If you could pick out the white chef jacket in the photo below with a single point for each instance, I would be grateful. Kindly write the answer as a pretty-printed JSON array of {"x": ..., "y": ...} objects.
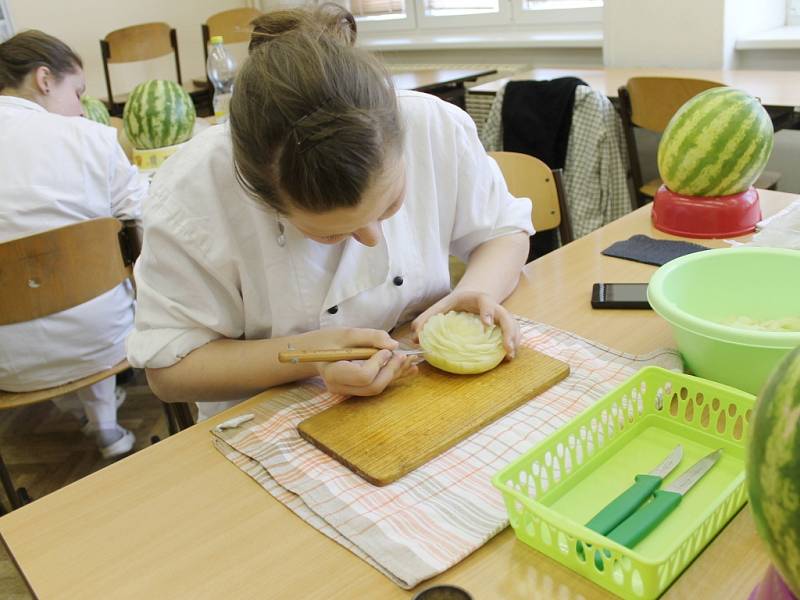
[
  {"x": 55, "y": 171},
  {"x": 214, "y": 263}
]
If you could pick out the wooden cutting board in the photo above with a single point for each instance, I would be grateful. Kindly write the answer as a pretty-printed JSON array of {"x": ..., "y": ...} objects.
[{"x": 381, "y": 438}]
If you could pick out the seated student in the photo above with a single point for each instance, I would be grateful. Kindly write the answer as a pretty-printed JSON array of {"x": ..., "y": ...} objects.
[
  {"x": 321, "y": 216},
  {"x": 57, "y": 168}
]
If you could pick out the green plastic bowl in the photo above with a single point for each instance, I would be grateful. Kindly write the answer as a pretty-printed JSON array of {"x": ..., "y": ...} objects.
[{"x": 697, "y": 292}]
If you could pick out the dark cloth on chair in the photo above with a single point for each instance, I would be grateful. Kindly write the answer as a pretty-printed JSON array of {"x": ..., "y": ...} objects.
[{"x": 537, "y": 116}]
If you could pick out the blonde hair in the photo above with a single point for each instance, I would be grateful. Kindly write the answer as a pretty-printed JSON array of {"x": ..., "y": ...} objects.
[{"x": 313, "y": 120}]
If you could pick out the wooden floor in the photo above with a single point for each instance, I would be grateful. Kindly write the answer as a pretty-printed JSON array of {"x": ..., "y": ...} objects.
[{"x": 45, "y": 450}]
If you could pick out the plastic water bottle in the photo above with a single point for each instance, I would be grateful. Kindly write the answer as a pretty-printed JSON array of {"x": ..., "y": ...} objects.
[{"x": 221, "y": 72}]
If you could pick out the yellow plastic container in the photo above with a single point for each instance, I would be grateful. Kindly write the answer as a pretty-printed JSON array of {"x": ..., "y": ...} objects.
[
  {"x": 151, "y": 159},
  {"x": 557, "y": 486}
]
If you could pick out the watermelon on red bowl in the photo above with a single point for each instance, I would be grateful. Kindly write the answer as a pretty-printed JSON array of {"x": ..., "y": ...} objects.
[
  {"x": 716, "y": 144},
  {"x": 706, "y": 216}
]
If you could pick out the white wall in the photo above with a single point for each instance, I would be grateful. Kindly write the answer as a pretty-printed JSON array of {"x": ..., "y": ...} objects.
[
  {"x": 746, "y": 16},
  {"x": 663, "y": 33},
  {"x": 82, "y": 23}
]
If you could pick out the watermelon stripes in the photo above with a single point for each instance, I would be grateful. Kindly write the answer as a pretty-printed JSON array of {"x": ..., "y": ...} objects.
[
  {"x": 773, "y": 468},
  {"x": 94, "y": 110},
  {"x": 716, "y": 144},
  {"x": 158, "y": 113}
]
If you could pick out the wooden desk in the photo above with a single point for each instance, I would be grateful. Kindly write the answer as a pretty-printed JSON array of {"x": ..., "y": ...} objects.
[
  {"x": 177, "y": 520},
  {"x": 779, "y": 89},
  {"x": 448, "y": 84},
  {"x": 774, "y": 88}
]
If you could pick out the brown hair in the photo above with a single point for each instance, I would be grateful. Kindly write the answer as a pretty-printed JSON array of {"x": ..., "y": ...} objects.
[
  {"x": 312, "y": 121},
  {"x": 29, "y": 50},
  {"x": 335, "y": 19}
]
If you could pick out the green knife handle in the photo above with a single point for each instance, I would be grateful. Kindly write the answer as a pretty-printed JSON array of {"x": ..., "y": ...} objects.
[
  {"x": 636, "y": 527},
  {"x": 625, "y": 504}
]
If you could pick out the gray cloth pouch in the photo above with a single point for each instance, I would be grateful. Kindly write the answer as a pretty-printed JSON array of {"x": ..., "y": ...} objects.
[{"x": 650, "y": 251}]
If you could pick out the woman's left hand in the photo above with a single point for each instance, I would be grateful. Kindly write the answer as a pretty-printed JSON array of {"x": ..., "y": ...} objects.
[{"x": 481, "y": 304}]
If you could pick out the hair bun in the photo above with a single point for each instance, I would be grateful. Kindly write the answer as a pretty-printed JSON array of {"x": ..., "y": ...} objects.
[{"x": 328, "y": 17}]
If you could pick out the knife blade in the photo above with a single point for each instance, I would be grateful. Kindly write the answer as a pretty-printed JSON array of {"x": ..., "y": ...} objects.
[
  {"x": 628, "y": 501},
  {"x": 637, "y": 526},
  {"x": 336, "y": 354}
]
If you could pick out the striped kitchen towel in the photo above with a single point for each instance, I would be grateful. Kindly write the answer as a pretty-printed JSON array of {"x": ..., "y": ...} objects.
[{"x": 434, "y": 517}]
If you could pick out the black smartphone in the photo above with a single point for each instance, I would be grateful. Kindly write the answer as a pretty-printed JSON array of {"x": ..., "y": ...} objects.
[{"x": 619, "y": 295}]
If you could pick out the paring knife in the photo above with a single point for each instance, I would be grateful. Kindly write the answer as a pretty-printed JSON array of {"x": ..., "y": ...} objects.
[
  {"x": 636, "y": 527},
  {"x": 336, "y": 354},
  {"x": 628, "y": 501}
]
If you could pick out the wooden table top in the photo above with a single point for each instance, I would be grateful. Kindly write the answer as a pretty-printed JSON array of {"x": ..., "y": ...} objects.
[
  {"x": 425, "y": 79},
  {"x": 774, "y": 88},
  {"x": 178, "y": 520}
]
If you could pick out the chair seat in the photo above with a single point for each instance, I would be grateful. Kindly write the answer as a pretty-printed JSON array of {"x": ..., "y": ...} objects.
[
  {"x": 768, "y": 180},
  {"x": 15, "y": 399}
]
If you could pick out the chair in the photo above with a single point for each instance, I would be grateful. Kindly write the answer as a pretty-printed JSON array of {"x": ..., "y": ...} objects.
[
  {"x": 53, "y": 271},
  {"x": 233, "y": 25},
  {"x": 134, "y": 44},
  {"x": 528, "y": 177},
  {"x": 649, "y": 103}
]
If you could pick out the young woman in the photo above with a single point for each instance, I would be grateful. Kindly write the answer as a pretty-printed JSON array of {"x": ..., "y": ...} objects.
[
  {"x": 322, "y": 216},
  {"x": 56, "y": 169}
]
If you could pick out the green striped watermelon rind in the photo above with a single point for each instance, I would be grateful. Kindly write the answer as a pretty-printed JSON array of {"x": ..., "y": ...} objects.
[
  {"x": 158, "y": 113},
  {"x": 716, "y": 144},
  {"x": 95, "y": 110},
  {"x": 773, "y": 468}
]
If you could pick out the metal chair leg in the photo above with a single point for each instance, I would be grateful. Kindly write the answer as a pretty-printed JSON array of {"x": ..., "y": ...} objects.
[
  {"x": 183, "y": 415},
  {"x": 172, "y": 426},
  {"x": 8, "y": 486}
]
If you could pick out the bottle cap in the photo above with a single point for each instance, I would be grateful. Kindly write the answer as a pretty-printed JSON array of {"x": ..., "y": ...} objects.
[{"x": 216, "y": 39}]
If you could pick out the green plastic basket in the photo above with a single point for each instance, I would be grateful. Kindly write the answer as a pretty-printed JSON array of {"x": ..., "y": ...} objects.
[{"x": 557, "y": 486}]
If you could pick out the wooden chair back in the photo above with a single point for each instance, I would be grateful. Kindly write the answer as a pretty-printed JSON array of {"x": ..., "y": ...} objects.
[
  {"x": 134, "y": 44},
  {"x": 654, "y": 100},
  {"x": 529, "y": 177},
  {"x": 233, "y": 25},
  {"x": 61, "y": 268}
]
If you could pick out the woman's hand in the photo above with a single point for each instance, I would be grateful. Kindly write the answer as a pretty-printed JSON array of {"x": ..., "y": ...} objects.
[
  {"x": 481, "y": 304},
  {"x": 360, "y": 377}
]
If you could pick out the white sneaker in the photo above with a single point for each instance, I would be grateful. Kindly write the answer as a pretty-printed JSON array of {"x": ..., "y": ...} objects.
[
  {"x": 122, "y": 446},
  {"x": 87, "y": 428}
]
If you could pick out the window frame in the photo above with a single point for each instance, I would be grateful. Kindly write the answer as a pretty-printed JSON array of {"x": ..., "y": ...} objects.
[
  {"x": 511, "y": 12},
  {"x": 6, "y": 24},
  {"x": 792, "y": 16},
  {"x": 558, "y": 16}
]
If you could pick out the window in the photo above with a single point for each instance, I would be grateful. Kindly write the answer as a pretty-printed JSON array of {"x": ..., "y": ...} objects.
[
  {"x": 402, "y": 15},
  {"x": 451, "y": 8},
  {"x": 793, "y": 12},
  {"x": 6, "y": 29}
]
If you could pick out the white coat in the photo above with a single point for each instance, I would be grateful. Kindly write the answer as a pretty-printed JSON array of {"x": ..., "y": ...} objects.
[
  {"x": 55, "y": 171},
  {"x": 214, "y": 263}
]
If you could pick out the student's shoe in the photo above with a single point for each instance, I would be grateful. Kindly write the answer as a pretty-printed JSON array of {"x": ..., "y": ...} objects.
[
  {"x": 87, "y": 428},
  {"x": 122, "y": 445}
]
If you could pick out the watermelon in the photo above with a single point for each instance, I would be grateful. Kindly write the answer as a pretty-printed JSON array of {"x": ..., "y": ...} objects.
[
  {"x": 95, "y": 110},
  {"x": 717, "y": 144},
  {"x": 158, "y": 113},
  {"x": 773, "y": 468}
]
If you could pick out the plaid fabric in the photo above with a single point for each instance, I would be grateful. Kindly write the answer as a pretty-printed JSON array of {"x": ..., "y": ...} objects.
[
  {"x": 437, "y": 515},
  {"x": 596, "y": 168}
]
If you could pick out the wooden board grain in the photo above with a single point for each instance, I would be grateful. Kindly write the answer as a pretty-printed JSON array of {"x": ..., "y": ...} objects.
[{"x": 383, "y": 437}]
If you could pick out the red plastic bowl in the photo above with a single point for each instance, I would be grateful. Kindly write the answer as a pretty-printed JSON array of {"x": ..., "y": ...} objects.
[{"x": 706, "y": 216}]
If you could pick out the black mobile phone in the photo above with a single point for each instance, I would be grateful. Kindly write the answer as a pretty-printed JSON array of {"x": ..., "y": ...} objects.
[{"x": 619, "y": 295}]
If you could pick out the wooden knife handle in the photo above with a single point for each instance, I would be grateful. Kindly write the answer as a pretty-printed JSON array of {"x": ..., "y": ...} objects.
[{"x": 332, "y": 355}]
